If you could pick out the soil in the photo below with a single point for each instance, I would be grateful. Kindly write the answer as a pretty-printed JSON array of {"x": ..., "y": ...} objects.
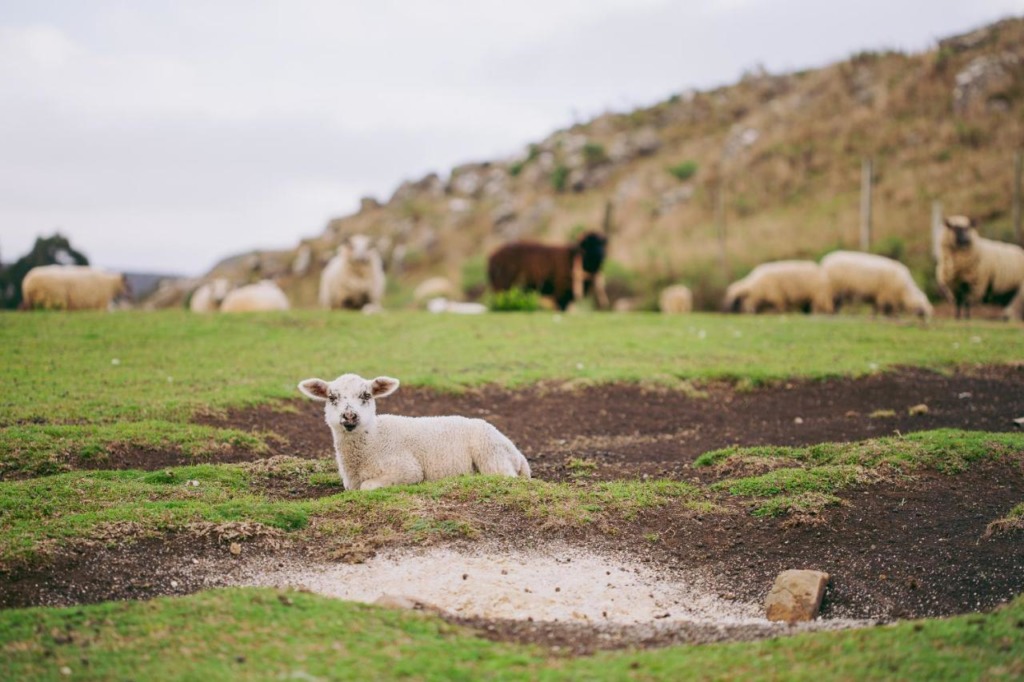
[{"x": 906, "y": 549}]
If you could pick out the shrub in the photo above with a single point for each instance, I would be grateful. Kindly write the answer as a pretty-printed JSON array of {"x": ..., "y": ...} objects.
[
  {"x": 559, "y": 178},
  {"x": 514, "y": 300},
  {"x": 685, "y": 170},
  {"x": 594, "y": 154}
]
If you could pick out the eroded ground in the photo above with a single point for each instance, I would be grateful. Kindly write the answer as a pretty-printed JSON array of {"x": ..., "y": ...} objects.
[{"x": 912, "y": 547}]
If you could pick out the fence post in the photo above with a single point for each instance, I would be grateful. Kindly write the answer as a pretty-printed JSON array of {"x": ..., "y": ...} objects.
[
  {"x": 936, "y": 228},
  {"x": 1016, "y": 197},
  {"x": 865, "y": 204}
]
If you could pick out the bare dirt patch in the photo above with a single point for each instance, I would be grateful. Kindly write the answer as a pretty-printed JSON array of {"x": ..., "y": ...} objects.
[{"x": 896, "y": 549}]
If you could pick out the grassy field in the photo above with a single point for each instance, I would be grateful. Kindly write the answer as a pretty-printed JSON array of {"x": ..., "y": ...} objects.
[{"x": 87, "y": 383}]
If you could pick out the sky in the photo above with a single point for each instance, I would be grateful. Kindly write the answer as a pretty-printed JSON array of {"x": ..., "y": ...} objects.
[{"x": 162, "y": 136}]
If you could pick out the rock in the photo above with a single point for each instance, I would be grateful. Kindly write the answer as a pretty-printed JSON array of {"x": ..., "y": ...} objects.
[
  {"x": 235, "y": 548},
  {"x": 303, "y": 259},
  {"x": 918, "y": 410},
  {"x": 401, "y": 601},
  {"x": 368, "y": 204},
  {"x": 984, "y": 82},
  {"x": 796, "y": 596}
]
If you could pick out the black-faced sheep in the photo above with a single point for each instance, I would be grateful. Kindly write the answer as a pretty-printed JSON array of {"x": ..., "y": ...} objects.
[
  {"x": 257, "y": 297},
  {"x": 71, "y": 287},
  {"x": 566, "y": 273},
  {"x": 374, "y": 450},
  {"x": 354, "y": 278},
  {"x": 781, "y": 286},
  {"x": 885, "y": 283},
  {"x": 973, "y": 269}
]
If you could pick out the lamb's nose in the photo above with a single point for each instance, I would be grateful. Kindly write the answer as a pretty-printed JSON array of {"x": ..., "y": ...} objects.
[{"x": 349, "y": 417}]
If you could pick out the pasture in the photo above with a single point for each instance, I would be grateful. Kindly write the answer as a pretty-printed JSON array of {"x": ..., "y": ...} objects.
[{"x": 152, "y": 463}]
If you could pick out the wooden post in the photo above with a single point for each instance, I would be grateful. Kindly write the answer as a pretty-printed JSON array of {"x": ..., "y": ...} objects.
[
  {"x": 720, "y": 226},
  {"x": 865, "y": 204},
  {"x": 936, "y": 228},
  {"x": 1016, "y": 197},
  {"x": 606, "y": 225}
]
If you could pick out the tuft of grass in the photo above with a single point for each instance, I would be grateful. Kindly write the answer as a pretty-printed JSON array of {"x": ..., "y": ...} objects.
[
  {"x": 684, "y": 170},
  {"x": 514, "y": 300}
]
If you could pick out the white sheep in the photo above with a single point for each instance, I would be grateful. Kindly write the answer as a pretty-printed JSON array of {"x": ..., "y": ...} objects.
[
  {"x": 374, "y": 450},
  {"x": 972, "y": 269},
  {"x": 675, "y": 299},
  {"x": 781, "y": 285},
  {"x": 354, "y": 278},
  {"x": 885, "y": 283},
  {"x": 433, "y": 287},
  {"x": 209, "y": 296},
  {"x": 261, "y": 296},
  {"x": 71, "y": 287}
]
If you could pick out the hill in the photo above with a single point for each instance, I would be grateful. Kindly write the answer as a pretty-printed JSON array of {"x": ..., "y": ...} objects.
[{"x": 773, "y": 162}]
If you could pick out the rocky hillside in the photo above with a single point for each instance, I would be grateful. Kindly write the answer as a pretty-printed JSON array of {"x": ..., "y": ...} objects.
[{"x": 776, "y": 159}]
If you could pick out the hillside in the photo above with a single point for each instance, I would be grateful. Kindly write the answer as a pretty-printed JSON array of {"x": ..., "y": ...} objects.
[{"x": 775, "y": 158}]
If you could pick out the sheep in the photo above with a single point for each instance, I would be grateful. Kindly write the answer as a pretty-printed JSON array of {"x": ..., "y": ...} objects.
[
  {"x": 972, "y": 269},
  {"x": 209, "y": 296},
  {"x": 433, "y": 287},
  {"x": 354, "y": 278},
  {"x": 261, "y": 296},
  {"x": 885, "y": 283},
  {"x": 781, "y": 285},
  {"x": 563, "y": 272},
  {"x": 675, "y": 299},
  {"x": 373, "y": 451},
  {"x": 71, "y": 287}
]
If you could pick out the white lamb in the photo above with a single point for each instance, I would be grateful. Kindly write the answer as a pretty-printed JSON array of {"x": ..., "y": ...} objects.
[
  {"x": 257, "y": 297},
  {"x": 71, "y": 287},
  {"x": 675, "y": 299},
  {"x": 354, "y": 278},
  {"x": 972, "y": 268},
  {"x": 781, "y": 285},
  {"x": 208, "y": 297},
  {"x": 885, "y": 283},
  {"x": 374, "y": 451}
]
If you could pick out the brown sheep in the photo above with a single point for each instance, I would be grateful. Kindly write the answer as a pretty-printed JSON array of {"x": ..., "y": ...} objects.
[{"x": 565, "y": 273}]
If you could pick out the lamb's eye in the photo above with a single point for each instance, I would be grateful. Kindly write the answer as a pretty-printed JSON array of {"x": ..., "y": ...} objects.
[
  {"x": 364, "y": 396},
  {"x": 333, "y": 399}
]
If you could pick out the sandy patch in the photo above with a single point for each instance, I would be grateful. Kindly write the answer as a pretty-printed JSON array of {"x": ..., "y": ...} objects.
[{"x": 557, "y": 583}]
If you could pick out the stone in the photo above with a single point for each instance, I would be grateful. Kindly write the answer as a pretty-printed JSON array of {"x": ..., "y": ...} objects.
[
  {"x": 796, "y": 596},
  {"x": 401, "y": 601},
  {"x": 917, "y": 410}
]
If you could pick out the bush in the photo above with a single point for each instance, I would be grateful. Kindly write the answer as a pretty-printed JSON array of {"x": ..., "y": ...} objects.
[
  {"x": 685, "y": 170},
  {"x": 594, "y": 154},
  {"x": 514, "y": 300},
  {"x": 559, "y": 177}
]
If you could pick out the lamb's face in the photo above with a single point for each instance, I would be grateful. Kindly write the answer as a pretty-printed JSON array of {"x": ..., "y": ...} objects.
[
  {"x": 359, "y": 248},
  {"x": 349, "y": 399}
]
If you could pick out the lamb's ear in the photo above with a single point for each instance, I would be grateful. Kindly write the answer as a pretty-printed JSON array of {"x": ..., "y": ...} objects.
[
  {"x": 382, "y": 386},
  {"x": 314, "y": 388}
]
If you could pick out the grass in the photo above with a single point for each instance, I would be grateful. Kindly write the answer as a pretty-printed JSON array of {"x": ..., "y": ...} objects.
[
  {"x": 264, "y": 634},
  {"x": 61, "y": 369},
  {"x": 808, "y": 478}
]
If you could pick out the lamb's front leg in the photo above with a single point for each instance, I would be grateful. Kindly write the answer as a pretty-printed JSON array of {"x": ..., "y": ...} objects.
[{"x": 383, "y": 481}]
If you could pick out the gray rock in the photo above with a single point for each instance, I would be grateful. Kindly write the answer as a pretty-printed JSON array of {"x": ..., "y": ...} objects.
[{"x": 796, "y": 596}]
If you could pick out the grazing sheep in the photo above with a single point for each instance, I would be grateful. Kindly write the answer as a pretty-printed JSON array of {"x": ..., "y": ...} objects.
[
  {"x": 883, "y": 282},
  {"x": 781, "y": 285},
  {"x": 565, "y": 273},
  {"x": 374, "y": 451},
  {"x": 261, "y": 296},
  {"x": 972, "y": 269},
  {"x": 209, "y": 296},
  {"x": 354, "y": 278},
  {"x": 433, "y": 287},
  {"x": 675, "y": 299},
  {"x": 71, "y": 287}
]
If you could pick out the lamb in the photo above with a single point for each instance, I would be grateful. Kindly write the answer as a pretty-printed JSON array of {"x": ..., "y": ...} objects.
[
  {"x": 71, "y": 287},
  {"x": 885, "y": 283},
  {"x": 675, "y": 299},
  {"x": 354, "y": 278},
  {"x": 565, "y": 273},
  {"x": 781, "y": 285},
  {"x": 209, "y": 296},
  {"x": 261, "y": 296},
  {"x": 375, "y": 451},
  {"x": 972, "y": 269}
]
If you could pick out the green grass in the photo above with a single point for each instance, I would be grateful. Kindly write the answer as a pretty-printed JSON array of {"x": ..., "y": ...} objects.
[
  {"x": 263, "y": 634},
  {"x": 809, "y": 477},
  {"x": 60, "y": 368},
  {"x": 39, "y": 514}
]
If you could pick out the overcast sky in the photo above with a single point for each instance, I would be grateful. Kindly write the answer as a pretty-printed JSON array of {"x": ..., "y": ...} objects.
[{"x": 161, "y": 136}]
